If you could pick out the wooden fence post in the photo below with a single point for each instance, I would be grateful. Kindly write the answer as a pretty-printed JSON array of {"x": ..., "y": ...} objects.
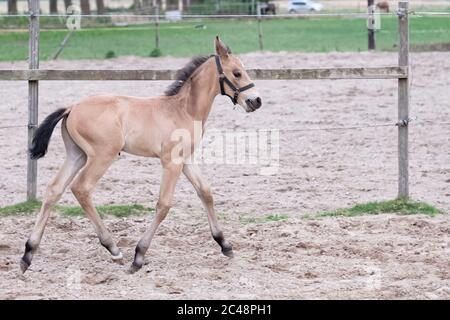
[
  {"x": 403, "y": 101},
  {"x": 33, "y": 94},
  {"x": 370, "y": 25},
  {"x": 157, "y": 27}
]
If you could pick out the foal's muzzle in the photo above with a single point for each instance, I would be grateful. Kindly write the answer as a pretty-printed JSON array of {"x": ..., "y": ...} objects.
[{"x": 253, "y": 104}]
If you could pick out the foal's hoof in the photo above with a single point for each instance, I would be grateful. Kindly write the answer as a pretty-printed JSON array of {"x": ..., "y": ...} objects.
[
  {"x": 228, "y": 252},
  {"x": 134, "y": 268},
  {"x": 118, "y": 258},
  {"x": 24, "y": 265}
]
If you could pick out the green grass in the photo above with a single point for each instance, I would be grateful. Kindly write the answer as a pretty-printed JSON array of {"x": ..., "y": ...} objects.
[
  {"x": 124, "y": 210},
  {"x": 183, "y": 39},
  {"x": 26, "y": 207},
  {"x": 156, "y": 53},
  {"x": 399, "y": 206},
  {"x": 110, "y": 54},
  {"x": 267, "y": 218},
  {"x": 29, "y": 207}
]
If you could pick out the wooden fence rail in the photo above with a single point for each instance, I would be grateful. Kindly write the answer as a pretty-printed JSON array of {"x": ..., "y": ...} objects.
[{"x": 257, "y": 74}]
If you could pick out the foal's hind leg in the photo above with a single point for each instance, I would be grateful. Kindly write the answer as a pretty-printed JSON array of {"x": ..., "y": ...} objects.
[
  {"x": 82, "y": 188},
  {"x": 75, "y": 160},
  {"x": 192, "y": 172}
]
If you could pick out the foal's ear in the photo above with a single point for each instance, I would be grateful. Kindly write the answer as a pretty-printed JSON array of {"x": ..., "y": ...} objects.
[{"x": 221, "y": 48}]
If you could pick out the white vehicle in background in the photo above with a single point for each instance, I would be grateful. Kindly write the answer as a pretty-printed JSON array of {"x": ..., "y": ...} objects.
[{"x": 302, "y": 6}]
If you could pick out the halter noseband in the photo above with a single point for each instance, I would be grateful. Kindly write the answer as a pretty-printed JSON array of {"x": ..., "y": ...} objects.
[{"x": 224, "y": 80}]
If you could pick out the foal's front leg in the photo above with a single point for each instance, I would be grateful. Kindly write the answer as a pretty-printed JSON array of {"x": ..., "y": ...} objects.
[
  {"x": 171, "y": 173},
  {"x": 192, "y": 172}
]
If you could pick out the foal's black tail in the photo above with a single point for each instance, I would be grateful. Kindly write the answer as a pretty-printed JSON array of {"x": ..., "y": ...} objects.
[{"x": 43, "y": 133}]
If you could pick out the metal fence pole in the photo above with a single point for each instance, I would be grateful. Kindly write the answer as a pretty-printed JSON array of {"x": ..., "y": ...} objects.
[
  {"x": 260, "y": 35},
  {"x": 33, "y": 95},
  {"x": 63, "y": 44},
  {"x": 403, "y": 102}
]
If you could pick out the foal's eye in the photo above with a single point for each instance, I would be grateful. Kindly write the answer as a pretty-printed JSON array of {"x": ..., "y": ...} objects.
[{"x": 237, "y": 74}]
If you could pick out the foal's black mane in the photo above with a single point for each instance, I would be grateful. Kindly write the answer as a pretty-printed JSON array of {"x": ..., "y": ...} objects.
[{"x": 186, "y": 72}]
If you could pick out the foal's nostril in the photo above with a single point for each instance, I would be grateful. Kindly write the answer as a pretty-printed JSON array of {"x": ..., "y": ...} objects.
[{"x": 257, "y": 102}]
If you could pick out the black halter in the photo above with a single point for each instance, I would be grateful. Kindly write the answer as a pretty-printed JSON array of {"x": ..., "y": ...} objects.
[{"x": 223, "y": 79}]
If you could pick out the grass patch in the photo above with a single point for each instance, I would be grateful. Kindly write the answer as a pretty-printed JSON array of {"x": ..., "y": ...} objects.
[
  {"x": 266, "y": 218},
  {"x": 110, "y": 54},
  {"x": 156, "y": 53},
  {"x": 26, "y": 207},
  {"x": 182, "y": 39},
  {"x": 122, "y": 210},
  {"x": 276, "y": 217},
  {"x": 399, "y": 206},
  {"x": 117, "y": 210}
]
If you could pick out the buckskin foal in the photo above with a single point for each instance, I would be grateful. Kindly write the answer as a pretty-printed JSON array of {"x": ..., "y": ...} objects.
[{"x": 97, "y": 128}]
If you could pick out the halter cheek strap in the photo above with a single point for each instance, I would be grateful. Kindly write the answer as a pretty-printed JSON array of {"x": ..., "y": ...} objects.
[{"x": 224, "y": 80}]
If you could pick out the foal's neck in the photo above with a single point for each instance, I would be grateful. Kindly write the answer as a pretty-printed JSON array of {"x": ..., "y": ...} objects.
[{"x": 201, "y": 91}]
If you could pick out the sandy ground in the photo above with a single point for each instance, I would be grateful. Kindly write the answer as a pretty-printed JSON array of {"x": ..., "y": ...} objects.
[
  {"x": 379, "y": 257},
  {"x": 366, "y": 257}
]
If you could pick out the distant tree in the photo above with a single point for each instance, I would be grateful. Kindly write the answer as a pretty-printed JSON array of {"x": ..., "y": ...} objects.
[
  {"x": 12, "y": 6},
  {"x": 136, "y": 5},
  {"x": 53, "y": 6},
  {"x": 85, "y": 7},
  {"x": 100, "y": 6}
]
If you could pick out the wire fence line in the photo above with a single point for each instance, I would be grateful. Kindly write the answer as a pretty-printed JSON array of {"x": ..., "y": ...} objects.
[
  {"x": 345, "y": 128},
  {"x": 235, "y": 16},
  {"x": 429, "y": 13},
  {"x": 358, "y": 127},
  {"x": 187, "y": 16},
  {"x": 14, "y": 126}
]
